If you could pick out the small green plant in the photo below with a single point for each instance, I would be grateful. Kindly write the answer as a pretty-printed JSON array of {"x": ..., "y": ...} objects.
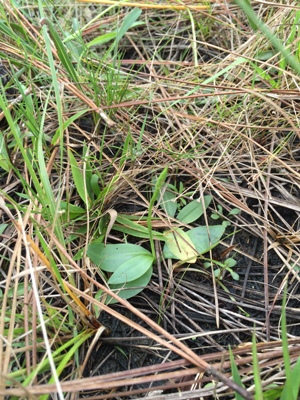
[
  {"x": 128, "y": 267},
  {"x": 290, "y": 390}
]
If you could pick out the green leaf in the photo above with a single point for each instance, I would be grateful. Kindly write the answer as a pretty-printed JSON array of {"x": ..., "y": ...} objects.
[
  {"x": 205, "y": 238},
  {"x": 131, "y": 288},
  {"x": 180, "y": 246},
  {"x": 234, "y": 211},
  {"x": 62, "y": 51},
  {"x": 71, "y": 210},
  {"x": 134, "y": 229},
  {"x": 295, "y": 378},
  {"x": 2, "y": 228},
  {"x": 128, "y": 22},
  {"x": 257, "y": 23},
  {"x": 193, "y": 210},
  {"x": 95, "y": 185},
  {"x": 4, "y": 157},
  {"x": 78, "y": 177},
  {"x": 230, "y": 262},
  {"x": 258, "y": 395},
  {"x": 110, "y": 257},
  {"x": 98, "y": 41},
  {"x": 234, "y": 275},
  {"x": 131, "y": 269},
  {"x": 169, "y": 204},
  {"x": 66, "y": 124},
  {"x": 235, "y": 375}
]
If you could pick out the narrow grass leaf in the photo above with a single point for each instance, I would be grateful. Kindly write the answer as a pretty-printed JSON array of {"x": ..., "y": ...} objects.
[
  {"x": 253, "y": 19},
  {"x": 256, "y": 371},
  {"x": 235, "y": 375},
  {"x": 126, "y": 225},
  {"x": 62, "y": 51},
  {"x": 287, "y": 393},
  {"x": 128, "y": 22},
  {"x": 98, "y": 41},
  {"x": 2, "y": 228},
  {"x": 296, "y": 380},
  {"x": 66, "y": 124},
  {"x": 158, "y": 186}
]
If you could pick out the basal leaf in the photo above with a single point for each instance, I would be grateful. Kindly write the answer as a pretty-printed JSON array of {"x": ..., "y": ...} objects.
[
  {"x": 131, "y": 269},
  {"x": 204, "y": 238},
  {"x": 78, "y": 177},
  {"x": 193, "y": 210},
  {"x": 131, "y": 288},
  {"x": 110, "y": 257},
  {"x": 180, "y": 246},
  {"x": 169, "y": 203},
  {"x": 4, "y": 156}
]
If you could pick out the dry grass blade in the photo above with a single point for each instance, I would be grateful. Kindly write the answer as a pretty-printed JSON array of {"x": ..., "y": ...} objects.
[{"x": 151, "y": 6}]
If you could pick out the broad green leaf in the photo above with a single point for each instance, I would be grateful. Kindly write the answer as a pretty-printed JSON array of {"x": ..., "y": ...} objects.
[
  {"x": 180, "y": 245},
  {"x": 131, "y": 269},
  {"x": 234, "y": 275},
  {"x": 128, "y": 23},
  {"x": 4, "y": 157},
  {"x": 71, "y": 210},
  {"x": 95, "y": 185},
  {"x": 131, "y": 288},
  {"x": 77, "y": 176},
  {"x": 234, "y": 211},
  {"x": 193, "y": 210},
  {"x": 3, "y": 227},
  {"x": 205, "y": 238},
  {"x": 169, "y": 204},
  {"x": 110, "y": 257}
]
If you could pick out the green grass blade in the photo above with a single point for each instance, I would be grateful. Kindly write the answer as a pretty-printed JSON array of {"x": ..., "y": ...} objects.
[
  {"x": 62, "y": 51},
  {"x": 158, "y": 186},
  {"x": 257, "y": 22},
  {"x": 256, "y": 371},
  {"x": 128, "y": 22},
  {"x": 235, "y": 374},
  {"x": 287, "y": 393}
]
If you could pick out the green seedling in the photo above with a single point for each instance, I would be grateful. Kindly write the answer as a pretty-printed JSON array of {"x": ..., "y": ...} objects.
[{"x": 127, "y": 268}]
